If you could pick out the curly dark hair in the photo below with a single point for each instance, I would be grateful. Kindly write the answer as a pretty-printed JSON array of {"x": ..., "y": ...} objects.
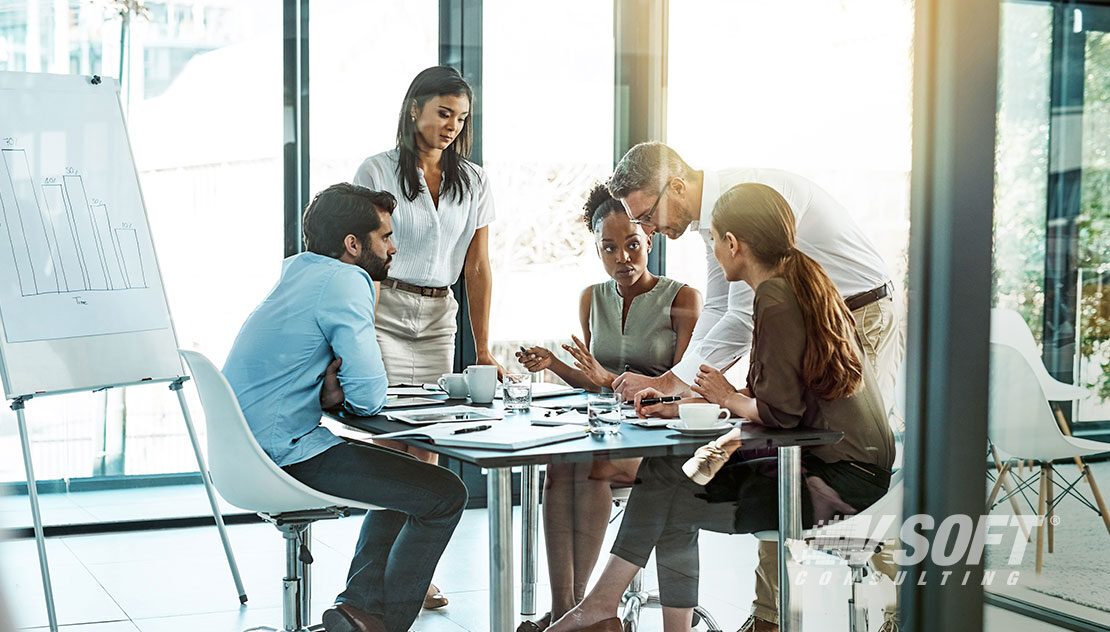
[{"x": 599, "y": 205}]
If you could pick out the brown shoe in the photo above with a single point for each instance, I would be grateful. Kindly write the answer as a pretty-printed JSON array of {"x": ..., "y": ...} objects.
[
  {"x": 433, "y": 598},
  {"x": 755, "y": 624},
  {"x": 539, "y": 625},
  {"x": 343, "y": 617}
]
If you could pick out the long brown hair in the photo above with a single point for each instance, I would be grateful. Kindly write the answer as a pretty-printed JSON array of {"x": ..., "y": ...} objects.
[{"x": 760, "y": 217}]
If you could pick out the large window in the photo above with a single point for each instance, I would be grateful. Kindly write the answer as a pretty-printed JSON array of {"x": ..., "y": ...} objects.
[
  {"x": 818, "y": 88},
  {"x": 547, "y": 138},
  {"x": 202, "y": 89},
  {"x": 1052, "y": 297},
  {"x": 358, "y": 81}
]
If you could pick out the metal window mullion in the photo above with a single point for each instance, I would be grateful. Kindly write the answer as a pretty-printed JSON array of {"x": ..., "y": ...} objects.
[{"x": 295, "y": 120}]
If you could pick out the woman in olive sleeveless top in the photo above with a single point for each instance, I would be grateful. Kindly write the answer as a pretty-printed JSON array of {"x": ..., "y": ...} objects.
[{"x": 635, "y": 321}]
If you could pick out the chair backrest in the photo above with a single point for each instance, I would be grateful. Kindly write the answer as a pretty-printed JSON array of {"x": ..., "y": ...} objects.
[
  {"x": 1022, "y": 423},
  {"x": 1009, "y": 328},
  {"x": 242, "y": 472}
]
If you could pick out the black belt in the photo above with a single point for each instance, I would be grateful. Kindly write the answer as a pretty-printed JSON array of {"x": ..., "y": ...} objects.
[
  {"x": 434, "y": 292},
  {"x": 862, "y": 299}
]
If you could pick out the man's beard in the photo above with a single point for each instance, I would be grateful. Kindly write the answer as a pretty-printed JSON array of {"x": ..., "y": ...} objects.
[{"x": 375, "y": 266}]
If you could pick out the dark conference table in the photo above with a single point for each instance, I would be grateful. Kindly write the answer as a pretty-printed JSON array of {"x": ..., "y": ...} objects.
[{"x": 632, "y": 441}]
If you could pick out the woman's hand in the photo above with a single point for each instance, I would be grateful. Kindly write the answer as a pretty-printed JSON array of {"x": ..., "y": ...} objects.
[
  {"x": 585, "y": 362},
  {"x": 535, "y": 359},
  {"x": 712, "y": 385},
  {"x": 485, "y": 357},
  {"x": 666, "y": 411}
]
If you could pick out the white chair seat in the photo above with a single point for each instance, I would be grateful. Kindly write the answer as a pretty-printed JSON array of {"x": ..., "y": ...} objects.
[{"x": 242, "y": 472}]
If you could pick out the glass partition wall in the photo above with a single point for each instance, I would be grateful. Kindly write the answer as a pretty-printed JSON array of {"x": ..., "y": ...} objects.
[{"x": 1052, "y": 302}]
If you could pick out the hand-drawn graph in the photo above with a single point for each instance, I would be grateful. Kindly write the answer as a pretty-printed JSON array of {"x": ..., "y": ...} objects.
[{"x": 64, "y": 243}]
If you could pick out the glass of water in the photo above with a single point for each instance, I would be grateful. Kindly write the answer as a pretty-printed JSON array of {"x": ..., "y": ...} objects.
[
  {"x": 517, "y": 391},
  {"x": 603, "y": 413}
]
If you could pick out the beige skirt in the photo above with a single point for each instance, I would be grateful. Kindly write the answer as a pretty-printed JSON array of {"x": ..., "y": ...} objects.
[{"x": 416, "y": 334}]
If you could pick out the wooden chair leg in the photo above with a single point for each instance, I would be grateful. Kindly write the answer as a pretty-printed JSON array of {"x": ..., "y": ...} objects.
[
  {"x": 1003, "y": 473},
  {"x": 1086, "y": 469},
  {"x": 996, "y": 487},
  {"x": 1040, "y": 514},
  {"x": 1051, "y": 497}
]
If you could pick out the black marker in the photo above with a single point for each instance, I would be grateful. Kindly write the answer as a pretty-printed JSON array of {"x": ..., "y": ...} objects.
[{"x": 472, "y": 429}]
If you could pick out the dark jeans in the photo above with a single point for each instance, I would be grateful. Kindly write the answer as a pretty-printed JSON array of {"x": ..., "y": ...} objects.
[
  {"x": 666, "y": 510},
  {"x": 399, "y": 545}
]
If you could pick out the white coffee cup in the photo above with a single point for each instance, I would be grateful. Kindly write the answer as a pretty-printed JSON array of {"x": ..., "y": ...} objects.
[
  {"x": 481, "y": 381},
  {"x": 701, "y": 415},
  {"x": 454, "y": 384}
]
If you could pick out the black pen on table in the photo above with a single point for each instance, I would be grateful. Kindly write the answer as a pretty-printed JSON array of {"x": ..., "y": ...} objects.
[{"x": 472, "y": 429}]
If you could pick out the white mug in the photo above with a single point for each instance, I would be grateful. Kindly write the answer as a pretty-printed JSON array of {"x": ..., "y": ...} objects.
[
  {"x": 481, "y": 380},
  {"x": 701, "y": 415},
  {"x": 454, "y": 384}
]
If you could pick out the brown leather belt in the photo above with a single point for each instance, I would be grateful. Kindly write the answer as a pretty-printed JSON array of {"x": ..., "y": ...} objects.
[
  {"x": 434, "y": 292},
  {"x": 862, "y": 299}
]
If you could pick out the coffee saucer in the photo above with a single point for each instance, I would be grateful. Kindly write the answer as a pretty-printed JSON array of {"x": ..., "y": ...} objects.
[{"x": 716, "y": 429}]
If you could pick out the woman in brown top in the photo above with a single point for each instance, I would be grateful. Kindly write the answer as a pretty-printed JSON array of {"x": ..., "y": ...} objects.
[{"x": 806, "y": 370}]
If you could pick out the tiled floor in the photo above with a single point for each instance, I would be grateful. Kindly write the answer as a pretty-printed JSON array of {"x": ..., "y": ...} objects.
[{"x": 178, "y": 580}]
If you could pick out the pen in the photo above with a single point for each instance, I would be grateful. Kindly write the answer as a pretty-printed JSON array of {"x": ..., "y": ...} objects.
[
  {"x": 659, "y": 400},
  {"x": 472, "y": 429},
  {"x": 729, "y": 365}
]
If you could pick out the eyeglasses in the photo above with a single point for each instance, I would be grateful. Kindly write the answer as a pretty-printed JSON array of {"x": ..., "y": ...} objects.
[{"x": 646, "y": 217}]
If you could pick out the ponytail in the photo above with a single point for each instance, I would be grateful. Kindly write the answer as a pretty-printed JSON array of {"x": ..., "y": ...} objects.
[
  {"x": 831, "y": 368},
  {"x": 761, "y": 218}
]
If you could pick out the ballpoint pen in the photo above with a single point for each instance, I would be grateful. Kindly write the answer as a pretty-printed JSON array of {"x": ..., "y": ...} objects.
[{"x": 472, "y": 429}]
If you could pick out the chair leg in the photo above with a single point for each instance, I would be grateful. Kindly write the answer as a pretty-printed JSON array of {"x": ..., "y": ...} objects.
[
  {"x": 1050, "y": 500},
  {"x": 1086, "y": 469},
  {"x": 1040, "y": 514},
  {"x": 997, "y": 486},
  {"x": 1003, "y": 474}
]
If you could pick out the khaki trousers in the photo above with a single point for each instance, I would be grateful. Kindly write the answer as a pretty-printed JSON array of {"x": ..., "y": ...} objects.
[
  {"x": 884, "y": 344},
  {"x": 416, "y": 334}
]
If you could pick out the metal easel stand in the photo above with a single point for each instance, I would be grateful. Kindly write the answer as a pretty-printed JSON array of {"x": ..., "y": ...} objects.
[
  {"x": 176, "y": 386},
  {"x": 36, "y": 517}
]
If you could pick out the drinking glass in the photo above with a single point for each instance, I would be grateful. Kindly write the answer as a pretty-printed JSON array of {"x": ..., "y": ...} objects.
[
  {"x": 517, "y": 391},
  {"x": 603, "y": 413}
]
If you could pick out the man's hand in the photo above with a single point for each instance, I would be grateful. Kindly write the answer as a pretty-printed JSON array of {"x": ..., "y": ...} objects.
[
  {"x": 628, "y": 384},
  {"x": 485, "y": 357},
  {"x": 666, "y": 411},
  {"x": 331, "y": 393}
]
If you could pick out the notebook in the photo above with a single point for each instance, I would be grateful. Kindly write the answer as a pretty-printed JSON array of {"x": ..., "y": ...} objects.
[{"x": 497, "y": 435}]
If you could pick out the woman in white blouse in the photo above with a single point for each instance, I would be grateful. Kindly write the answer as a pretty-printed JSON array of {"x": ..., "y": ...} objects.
[{"x": 441, "y": 230}]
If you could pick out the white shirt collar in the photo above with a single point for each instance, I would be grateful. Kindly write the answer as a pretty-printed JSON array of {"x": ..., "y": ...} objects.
[{"x": 710, "y": 192}]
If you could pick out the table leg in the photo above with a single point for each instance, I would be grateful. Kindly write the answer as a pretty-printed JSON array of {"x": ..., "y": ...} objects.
[
  {"x": 36, "y": 516},
  {"x": 530, "y": 536},
  {"x": 790, "y": 528},
  {"x": 499, "y": 505}
]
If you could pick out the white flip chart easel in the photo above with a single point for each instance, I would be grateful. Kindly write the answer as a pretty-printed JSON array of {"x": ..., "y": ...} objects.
[{"x": 82, "y": 306}]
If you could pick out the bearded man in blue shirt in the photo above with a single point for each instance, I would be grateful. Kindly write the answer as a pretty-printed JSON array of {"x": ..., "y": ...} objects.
[{"x": 309, "y": 347}]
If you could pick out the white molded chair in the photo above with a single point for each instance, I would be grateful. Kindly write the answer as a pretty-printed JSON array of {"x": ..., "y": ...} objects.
[
  {"x": 855, "y": 539},
  {"x": 1024, "y": 426},
  {"x": 249, "y": 479}
]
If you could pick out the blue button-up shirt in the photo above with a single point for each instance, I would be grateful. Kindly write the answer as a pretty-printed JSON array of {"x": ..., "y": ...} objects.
[{"x": 320, "y": 309}]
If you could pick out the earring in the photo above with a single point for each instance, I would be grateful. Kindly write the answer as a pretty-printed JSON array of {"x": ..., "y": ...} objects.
[{"x": 413, "y": 118}]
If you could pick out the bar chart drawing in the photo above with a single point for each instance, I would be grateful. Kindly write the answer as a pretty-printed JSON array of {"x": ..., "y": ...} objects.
[{"x": 61, "y": 242}]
